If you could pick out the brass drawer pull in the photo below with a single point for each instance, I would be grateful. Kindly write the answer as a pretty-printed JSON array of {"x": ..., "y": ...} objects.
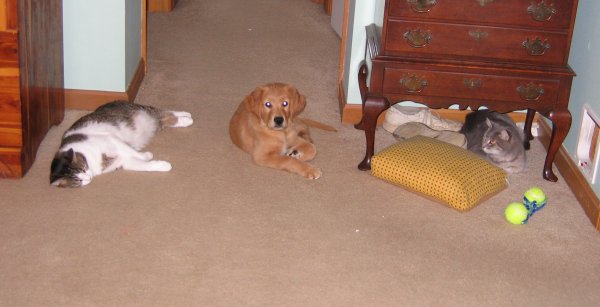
[
  {"x": 536, "y": 47},
  {"x": 421, "y": 6},
  {"x": 484, "y": 2},
  {"x": 478, "y": 35},
  {"x": 413, "y": 83},
  {"x": 417, "y": 38},
  {"x": 473, "y": 83},
  {"x": 541, "y": 11},
  {"x": 530, "y": 92}
]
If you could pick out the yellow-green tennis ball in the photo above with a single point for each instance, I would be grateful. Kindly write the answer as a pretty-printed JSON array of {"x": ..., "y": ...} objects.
[
  {"x": 535, "y": 194},
  {"x": 515, "y": 213}
]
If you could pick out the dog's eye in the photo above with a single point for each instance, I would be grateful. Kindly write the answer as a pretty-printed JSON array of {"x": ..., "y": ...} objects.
[
  {"x": 285, "y": 103},
  {"x": 268, "y": 104}
]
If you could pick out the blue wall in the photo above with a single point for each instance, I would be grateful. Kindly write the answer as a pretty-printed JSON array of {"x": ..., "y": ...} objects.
[
  {"x": 585, "y": 60},
  {"x": 102, "y": 43},
  {"x": 133, "y": 38},
  {"x": 361, "y": 13}
]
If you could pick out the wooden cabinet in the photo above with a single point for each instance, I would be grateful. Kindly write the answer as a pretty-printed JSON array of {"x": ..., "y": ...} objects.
[
  {"x": 505, "y": 55},
  {"x": 31, "y": 79}
]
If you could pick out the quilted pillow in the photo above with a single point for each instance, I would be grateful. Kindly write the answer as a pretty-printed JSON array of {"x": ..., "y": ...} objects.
[{"x": 440, "y": 171}]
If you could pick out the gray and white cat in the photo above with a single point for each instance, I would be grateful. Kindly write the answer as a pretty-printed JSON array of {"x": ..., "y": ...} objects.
[
  {"x": 496, "y": 137},
  {"x": 110, "y": 138}
]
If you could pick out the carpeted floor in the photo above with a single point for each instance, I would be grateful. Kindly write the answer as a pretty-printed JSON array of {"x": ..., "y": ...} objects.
[{"x": 219, "y": 231}]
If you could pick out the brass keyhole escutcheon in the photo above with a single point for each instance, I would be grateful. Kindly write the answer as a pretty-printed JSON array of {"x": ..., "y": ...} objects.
[
  {"x": 484, "y": 2},
  {"x": 473, "y": 83},
  {"x": 478, "y": 35}
]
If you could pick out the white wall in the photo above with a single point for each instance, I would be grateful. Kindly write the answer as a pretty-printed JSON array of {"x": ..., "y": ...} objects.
[
  {"x": 361, "y": 13},
  {"x": 102, "y": 42}
]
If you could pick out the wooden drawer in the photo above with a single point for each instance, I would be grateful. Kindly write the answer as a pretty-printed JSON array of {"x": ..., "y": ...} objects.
[
  {"x": 500, "y": 12},
  {"x": 443, "y": 40},
  {"x": 524, "y": 92},
  {"x": 8, "y": 50},
  {"x": 11, "y": 134}
]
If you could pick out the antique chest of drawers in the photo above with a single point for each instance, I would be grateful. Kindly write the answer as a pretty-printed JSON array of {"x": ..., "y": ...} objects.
[{"x": 506, "y": 55}]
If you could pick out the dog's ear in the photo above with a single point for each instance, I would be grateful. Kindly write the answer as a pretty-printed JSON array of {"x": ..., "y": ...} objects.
[
  {"x": 254, "y": 101},
  {"x": 299, "y": 103}
]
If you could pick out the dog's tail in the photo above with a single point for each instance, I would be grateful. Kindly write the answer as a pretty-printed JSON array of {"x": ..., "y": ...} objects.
[{"x": 318, "y": 125}]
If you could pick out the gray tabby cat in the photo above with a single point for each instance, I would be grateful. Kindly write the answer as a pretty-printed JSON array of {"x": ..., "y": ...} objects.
[
  {"x": 496, "y": 137},
  {"x": 110, "y": 138}
]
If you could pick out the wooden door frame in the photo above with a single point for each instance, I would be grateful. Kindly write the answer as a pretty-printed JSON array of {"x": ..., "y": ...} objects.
[
  {"x": 348, "y": 113},
  {"x": 161, "y": 5},
  {"x": 145, "y": 34}
]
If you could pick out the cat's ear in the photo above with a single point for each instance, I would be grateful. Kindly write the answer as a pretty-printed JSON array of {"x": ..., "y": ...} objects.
[
  {"x": 79, "y": 160},
  {"x": 488, "y": 122},
  {"x": 74, "y": 157},
  {"x": 69, "y": 154},
  {"x": 504, "y": 135}
]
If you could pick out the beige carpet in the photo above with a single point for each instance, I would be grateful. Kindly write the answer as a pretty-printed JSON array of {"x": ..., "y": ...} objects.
[{"x": 219, "y": 231}]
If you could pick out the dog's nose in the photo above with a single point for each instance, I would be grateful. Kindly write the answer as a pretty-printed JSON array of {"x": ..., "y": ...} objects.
[{"x": 278, "y": 120}]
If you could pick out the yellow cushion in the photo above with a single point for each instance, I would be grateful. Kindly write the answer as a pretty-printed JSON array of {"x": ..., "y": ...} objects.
[{"x": 440, "y": 171}]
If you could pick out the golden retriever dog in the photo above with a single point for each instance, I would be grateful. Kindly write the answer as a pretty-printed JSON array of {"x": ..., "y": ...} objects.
[{"x": 266, "y": 126}]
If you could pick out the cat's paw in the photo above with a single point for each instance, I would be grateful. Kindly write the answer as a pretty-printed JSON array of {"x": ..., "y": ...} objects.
[
  {"x": 184, "y": 121},
  {"x": 146, "y": 156},
  {"x": 182, "y": 113},
  {"x": 159, "y": 166}
]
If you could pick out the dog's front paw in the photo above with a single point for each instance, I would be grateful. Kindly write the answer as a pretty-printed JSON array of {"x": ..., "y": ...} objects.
[
  {"x": 294, "y": 153},
  {"x": 313, "y": 173}
]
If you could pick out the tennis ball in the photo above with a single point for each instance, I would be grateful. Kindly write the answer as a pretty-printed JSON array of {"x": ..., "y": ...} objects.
[
  {"x": 516, "y": 213},
  {"x": 535, "y": 194}
]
